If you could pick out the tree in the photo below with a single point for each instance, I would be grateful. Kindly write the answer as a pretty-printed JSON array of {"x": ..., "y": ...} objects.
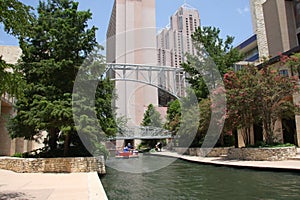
[
  {"x": 10, "y": 82},
  {"x": 211, "y": 51},
  {"x": 173, "y": 116},
  {"x": 214, "y": 57},
  {"x": 258, "y": 96},
  {"x": 151, "y": 117},
  {"x": 13, "y": 15},
  {"x": 55, "y": 47}
]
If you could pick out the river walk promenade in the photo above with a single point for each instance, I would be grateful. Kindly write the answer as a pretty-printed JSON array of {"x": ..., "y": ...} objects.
[
  {"x": 87, "y": 186},
  {"x": 286, "y": 165},
  {"x": 50, "y": 186}
]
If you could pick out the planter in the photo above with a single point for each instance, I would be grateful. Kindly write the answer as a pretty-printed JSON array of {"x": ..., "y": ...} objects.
[{"x": 262, "y": 154}]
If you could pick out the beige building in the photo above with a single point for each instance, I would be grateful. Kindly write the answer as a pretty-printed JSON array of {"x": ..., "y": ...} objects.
[
  {"x": 175, "y": 41},
  {"x": 131, "y": 40},
  {"x": 8, "y": 146},
  {"x": 276, "y": 27},
  {"x": 276, "y": 24}
]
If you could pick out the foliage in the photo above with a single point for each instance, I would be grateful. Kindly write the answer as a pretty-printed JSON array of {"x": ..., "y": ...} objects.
[
  {"x": 56, "y": 46},
  {"x": 15, "y": 16},
  {"x": 258, "y": 96},
  {"x": 173, "y": 116},
  {"x": 211, "y": 51},
  {"x": 292, "y": 62},
  {"x": 18, "y": 155},
  {"x": 10, "y": 82},
  {"x": 274, "y": 145},
  {"x": 152, "y": 117}
]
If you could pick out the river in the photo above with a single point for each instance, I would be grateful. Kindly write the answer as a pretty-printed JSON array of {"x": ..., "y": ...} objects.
[{"x": 186, "y": 180}]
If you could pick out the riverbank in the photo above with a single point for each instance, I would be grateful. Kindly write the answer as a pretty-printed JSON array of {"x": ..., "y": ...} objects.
[
  {"x": 286, "y": 165},
  {"x": 51, "y": 186}
]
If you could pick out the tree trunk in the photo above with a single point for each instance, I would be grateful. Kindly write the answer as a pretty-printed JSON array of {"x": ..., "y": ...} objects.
[
  {"x": 53, "y": 139},
  {"x": 236, "y": 139},
  {"x": 67, "y": 144}
]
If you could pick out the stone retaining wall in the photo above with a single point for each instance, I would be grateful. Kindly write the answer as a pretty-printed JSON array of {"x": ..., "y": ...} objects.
[
  {"x": 214, "y": 152},
  {"x": 262, "y": 154},
  {"x": 53, "y": 165}
]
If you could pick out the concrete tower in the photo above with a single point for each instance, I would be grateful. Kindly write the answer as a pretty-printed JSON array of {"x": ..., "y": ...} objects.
[
  {"x": 131, "y": 39},
  {"x": 275, "y": 24},
  {"x": 175, "y": 41}
]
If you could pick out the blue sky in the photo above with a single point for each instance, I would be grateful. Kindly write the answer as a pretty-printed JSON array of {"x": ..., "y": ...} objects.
[{"x": 232, "y": 17}]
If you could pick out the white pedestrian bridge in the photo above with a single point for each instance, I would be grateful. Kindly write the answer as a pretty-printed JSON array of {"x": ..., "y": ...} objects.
[
  {"x": 143, "y": 132},
  {"x": 169, "y": 79}
]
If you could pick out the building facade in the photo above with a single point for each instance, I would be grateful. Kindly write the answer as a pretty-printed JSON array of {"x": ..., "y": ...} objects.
[
  {"x": 131, "y": 39},
  {"x": 175, "y": 41},
  {"x": 276, "y": 27},
  {"x": 276, "y": 24},
  {"x": 8, "y": 146}
]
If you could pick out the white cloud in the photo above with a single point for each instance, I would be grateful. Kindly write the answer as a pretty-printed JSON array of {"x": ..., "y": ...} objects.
[{"x": 242, "y": 11}]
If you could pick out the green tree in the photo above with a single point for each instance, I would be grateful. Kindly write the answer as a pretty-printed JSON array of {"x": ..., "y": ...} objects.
[
  {"x": 212, "y": 51},
  {"x": 258, "y": 96},
  {"x": 215, "y": 56},
  {"x": 10, "y": 82},
  {"x": 152, "y": 117},
  {"x": 13, "y": 15},
  {"x": 173, "y": 116},
  {"x": 55, "y": 47}
]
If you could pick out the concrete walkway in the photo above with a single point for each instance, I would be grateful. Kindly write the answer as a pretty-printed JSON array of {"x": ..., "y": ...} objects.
[
  {"x": 286, "y": 165},
  {"x": 39, "y": 186}
]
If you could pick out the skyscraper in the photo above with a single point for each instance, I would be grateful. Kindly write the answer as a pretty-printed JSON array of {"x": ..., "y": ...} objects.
[
  {"x": 276, "y": 24},
  {"x": 175, "y": 41},
  {"x": 131, "y": 40}
]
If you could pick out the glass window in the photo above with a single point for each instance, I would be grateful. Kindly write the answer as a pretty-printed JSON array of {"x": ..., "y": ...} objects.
[{"x": 284, "y": 72}]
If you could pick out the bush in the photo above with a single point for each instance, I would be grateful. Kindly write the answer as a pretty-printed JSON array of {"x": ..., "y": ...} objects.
[
  {"x": 18, "y": 155},
  {"x": 265, "y": 145}
]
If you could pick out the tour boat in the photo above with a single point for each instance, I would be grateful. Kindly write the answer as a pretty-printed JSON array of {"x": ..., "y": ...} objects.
[{"x": 127, "y": 154}]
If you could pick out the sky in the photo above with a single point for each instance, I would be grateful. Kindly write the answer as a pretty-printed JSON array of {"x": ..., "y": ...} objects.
[{"x": 232, "y": 17}]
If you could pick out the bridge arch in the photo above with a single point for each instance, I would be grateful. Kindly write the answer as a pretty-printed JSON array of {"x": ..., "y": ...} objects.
[{"x": 168, "y": 79}]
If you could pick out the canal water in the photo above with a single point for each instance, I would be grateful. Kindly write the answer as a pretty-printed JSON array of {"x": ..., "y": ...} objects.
[{"x": 186, "y": 180}]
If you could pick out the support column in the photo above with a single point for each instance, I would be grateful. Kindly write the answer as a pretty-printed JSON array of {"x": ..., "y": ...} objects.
[{"x": 297, "y": 137}]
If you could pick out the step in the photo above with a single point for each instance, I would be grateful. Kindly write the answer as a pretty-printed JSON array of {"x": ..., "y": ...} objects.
[{"x": 297, "y": 157}]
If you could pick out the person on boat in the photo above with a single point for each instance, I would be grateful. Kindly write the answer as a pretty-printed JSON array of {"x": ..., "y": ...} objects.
[
  {"x": 159, "y": 146},
  {"x": 125, "y": 149},
  {"x": 129, "y": 146}
]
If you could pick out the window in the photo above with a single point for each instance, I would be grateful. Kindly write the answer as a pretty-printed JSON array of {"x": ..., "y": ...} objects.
[{"x": 284, "y": 72}]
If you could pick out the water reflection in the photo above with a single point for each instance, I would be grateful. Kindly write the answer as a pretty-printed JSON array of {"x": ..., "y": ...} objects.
[
  {"x": 185, "y": 180},
  {"x": 143, "y": 164}
]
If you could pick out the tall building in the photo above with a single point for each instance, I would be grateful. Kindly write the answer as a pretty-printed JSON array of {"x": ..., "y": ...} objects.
[
  {"x": 276, "y": 24},
  {"x": 131, "y": 39},
  {"x": 175, "y": 41}
]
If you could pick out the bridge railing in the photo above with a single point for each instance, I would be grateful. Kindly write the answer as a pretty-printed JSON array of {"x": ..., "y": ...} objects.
[
  {"x": 143, "y": 132},
  {"x": 169, "y": 79}
]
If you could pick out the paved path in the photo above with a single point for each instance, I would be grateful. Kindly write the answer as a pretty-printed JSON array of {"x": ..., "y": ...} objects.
[
  {"x": 49, "y": 186},
  {"x": 287, "y": 165}
]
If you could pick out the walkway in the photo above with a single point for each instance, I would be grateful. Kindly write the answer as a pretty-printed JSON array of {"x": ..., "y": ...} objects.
[
  {"x": 48, "y": 186},
  {"x": 286, "y": 165}
]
